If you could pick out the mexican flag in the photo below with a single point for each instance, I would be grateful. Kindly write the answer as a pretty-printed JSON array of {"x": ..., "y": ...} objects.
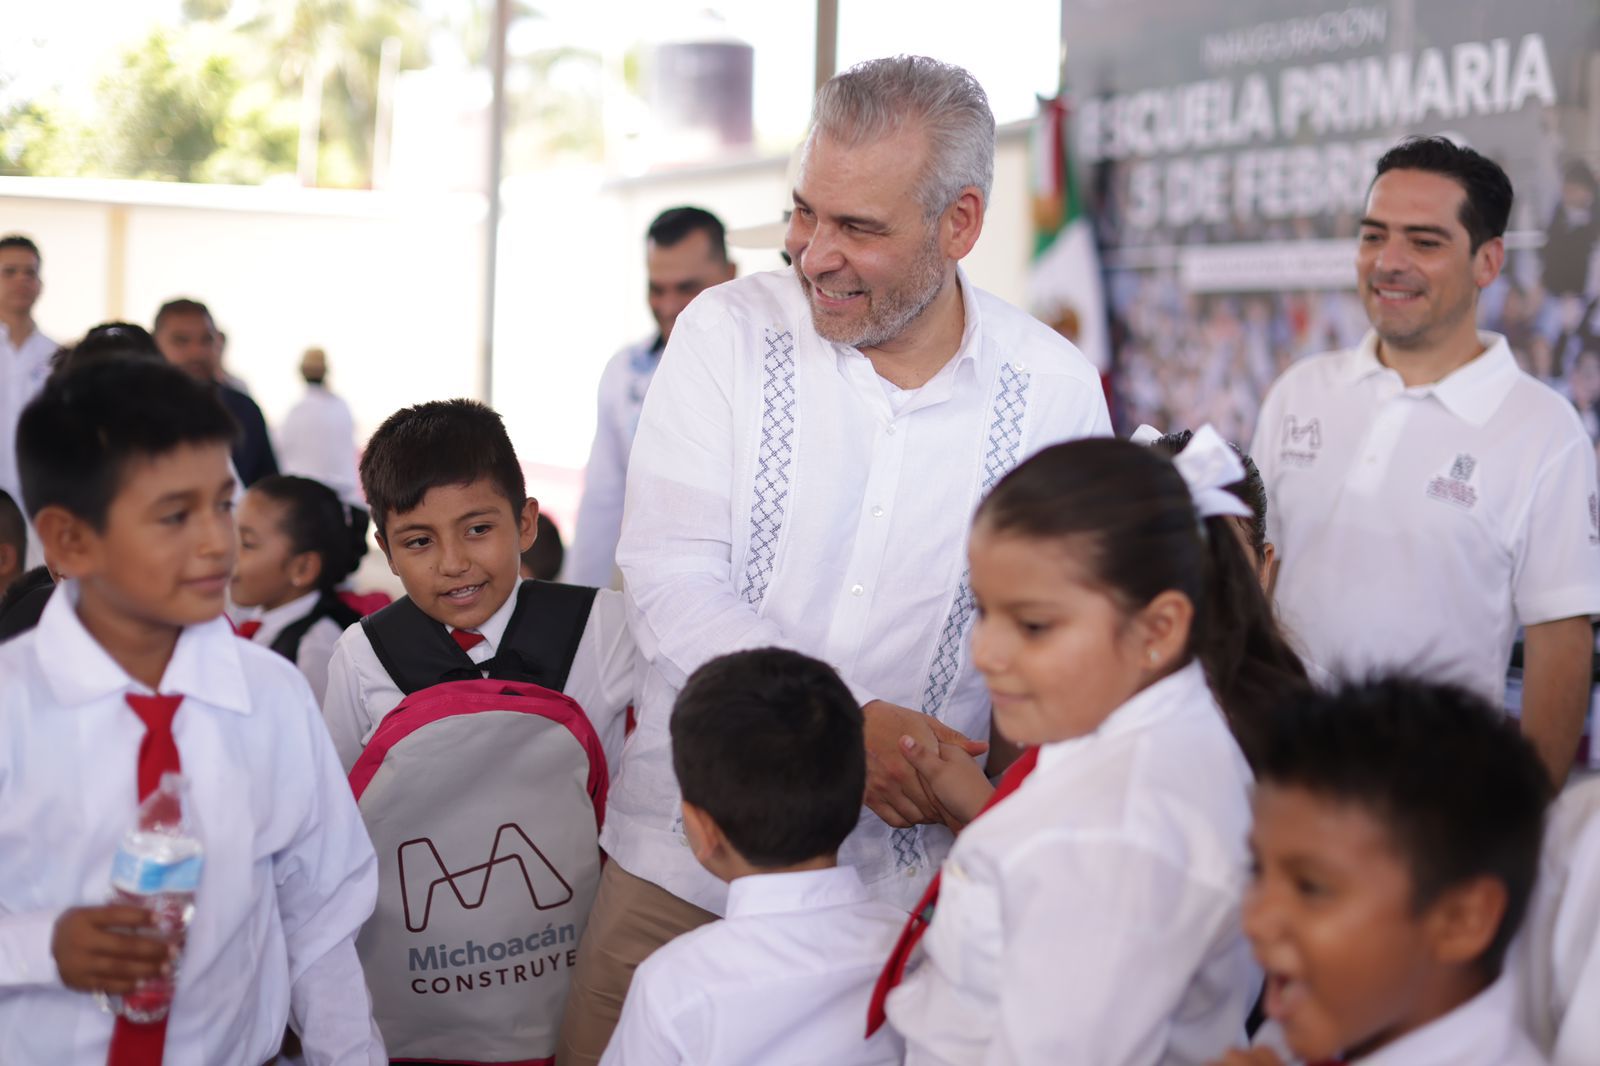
[{"x": 1064, "y": 287}]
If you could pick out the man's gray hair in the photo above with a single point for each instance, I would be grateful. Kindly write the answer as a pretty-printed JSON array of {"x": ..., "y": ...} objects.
[{"x": 875, "y": 99}]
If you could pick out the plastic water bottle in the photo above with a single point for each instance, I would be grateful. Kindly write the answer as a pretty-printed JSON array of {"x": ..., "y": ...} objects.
[{"x": 157, "y": 867}]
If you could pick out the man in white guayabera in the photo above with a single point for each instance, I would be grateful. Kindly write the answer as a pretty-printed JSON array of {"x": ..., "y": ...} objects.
[{"x": 806, "y": 466}]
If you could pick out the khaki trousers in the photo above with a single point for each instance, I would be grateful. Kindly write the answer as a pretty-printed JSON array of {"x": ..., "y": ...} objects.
[{"x": 630, "y": 919}]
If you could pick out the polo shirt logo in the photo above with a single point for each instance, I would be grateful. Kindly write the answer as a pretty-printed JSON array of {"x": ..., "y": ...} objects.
[
  {"x": 1300, "y": 443},
  {"x": 1456, "y": 484}
]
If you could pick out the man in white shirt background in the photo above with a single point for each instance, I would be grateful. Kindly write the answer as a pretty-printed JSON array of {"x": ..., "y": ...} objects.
[
  {"x": 686, "y": 252},
  {"x": 317, "y": 438},
  {"x": 24, "y": 350},
  {"x": 805, "y": 471},
  {"x": 1427, "y": 496}
]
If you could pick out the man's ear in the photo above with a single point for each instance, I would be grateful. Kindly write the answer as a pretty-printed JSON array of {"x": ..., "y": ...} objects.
[
  {"x": 528, "y": 524},
  {"x": 961, "y": 223},
  {"x": 1487, "y": 261},
  {"x": 10, "y": 561},
  {"x": 70, "y": 543},
  {"x": 1462, "y": 923}
]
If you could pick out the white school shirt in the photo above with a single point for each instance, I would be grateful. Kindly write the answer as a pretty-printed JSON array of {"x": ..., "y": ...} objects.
[
  {"x": 1419, "y": 527},
  {"x": 1557, "y": 955},
  {"x": 602, "y": 679},
  {"x": 289, "y": 874},
  {"x": 316, "y": 646},
  {"x": 592, "y": 555},
  {"x": 317, "y": 439},
  {"x": 776, "y": 498},
  {"x": 783, "y": 980},
  {"x": 1093, "y": 917}
]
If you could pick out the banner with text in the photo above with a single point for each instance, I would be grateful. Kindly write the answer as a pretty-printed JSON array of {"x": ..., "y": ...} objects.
[{"x": 1226, "y": 147}]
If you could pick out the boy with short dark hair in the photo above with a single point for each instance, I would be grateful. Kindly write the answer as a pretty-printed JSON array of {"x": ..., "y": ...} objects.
[
  {"x": 453, "y": 516},
  {"x": 1396, "y": 843},
  {"x": 132, "y": 672},
  {"x": 768, "y": 752}
]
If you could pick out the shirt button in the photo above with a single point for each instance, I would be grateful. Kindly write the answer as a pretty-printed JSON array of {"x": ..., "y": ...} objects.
[
  {"x": 911, "y": 871},
  {"x": 1019, "y": 367},
  {"x": 856, "y": 590},
  {"x": 877, "y": 512},
  {"x": 889, "y": 430}
]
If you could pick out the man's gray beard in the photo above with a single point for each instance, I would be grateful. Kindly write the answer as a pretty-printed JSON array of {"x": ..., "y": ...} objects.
[{"x": 901, "y": 307}]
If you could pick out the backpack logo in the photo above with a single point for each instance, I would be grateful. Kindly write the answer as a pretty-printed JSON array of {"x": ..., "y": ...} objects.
[
  {"x": 1300, "y": 443},
  {"x": 512, "y": 853}
]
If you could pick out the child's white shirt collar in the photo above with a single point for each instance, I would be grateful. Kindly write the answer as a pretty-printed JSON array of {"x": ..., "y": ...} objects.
[{"x": 204, "y": 663}]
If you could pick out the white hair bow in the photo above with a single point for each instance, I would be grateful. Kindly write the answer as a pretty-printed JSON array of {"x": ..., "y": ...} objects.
[{"x": 1207, "y": 464}]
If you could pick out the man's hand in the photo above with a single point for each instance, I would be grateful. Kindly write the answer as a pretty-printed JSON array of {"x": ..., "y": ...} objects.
[
  {"x": 894, "y": 792},
  {"x": 957, "y": 782},
  {"x": 108, "y": 949}
]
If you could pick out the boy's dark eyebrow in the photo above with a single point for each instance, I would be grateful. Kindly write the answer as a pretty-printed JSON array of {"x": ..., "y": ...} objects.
[
  {"x": 410, "y": 527},
  {"x": 176, "y": 496},
  {"x": 1437, "y": 231}
]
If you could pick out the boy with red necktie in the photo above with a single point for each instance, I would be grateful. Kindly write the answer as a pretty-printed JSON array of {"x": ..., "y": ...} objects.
[
  {"x": 1395, "y": 846},
  {"x": 132, "y": 672}
]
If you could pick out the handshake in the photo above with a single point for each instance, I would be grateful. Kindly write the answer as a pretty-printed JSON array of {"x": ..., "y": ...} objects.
[{"x": 920, "y": 771}]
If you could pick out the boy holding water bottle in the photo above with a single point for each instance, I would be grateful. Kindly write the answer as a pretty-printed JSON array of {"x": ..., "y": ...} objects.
[{"x": 131, "y": 675}]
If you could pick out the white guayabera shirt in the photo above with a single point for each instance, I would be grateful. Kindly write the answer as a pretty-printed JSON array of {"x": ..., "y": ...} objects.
[{"x": 777, "y": 495}]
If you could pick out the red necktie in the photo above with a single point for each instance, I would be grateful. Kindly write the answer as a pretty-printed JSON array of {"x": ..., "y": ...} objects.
[
  {"x": 894, "y": 971},
  {"x": 249, "y": 629},
  {"x": 133, "y": 1044},
  {"x": 467, "y": 639}
]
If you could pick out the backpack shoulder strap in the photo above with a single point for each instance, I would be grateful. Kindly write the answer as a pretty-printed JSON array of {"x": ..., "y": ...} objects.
[
  {"x": 543, "y": 635},
  {"x": 416, "y": 651},
  {"x": 328, "y": 605}
]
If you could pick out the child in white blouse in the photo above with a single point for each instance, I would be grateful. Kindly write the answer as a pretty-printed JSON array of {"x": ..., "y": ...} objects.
[
  {"x": 1396, "y": 841},
  {"x": 1093, "y": 916},
  {"x": 767, "y": 747}
]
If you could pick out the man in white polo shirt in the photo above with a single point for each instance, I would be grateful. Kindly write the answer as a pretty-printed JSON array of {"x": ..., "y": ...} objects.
[
  {"x": 807, "y": 464},
  {"x": 1427, "y": 496}
]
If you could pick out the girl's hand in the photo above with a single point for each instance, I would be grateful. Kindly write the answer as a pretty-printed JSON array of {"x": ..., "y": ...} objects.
[{"x": 953, "y": 776}]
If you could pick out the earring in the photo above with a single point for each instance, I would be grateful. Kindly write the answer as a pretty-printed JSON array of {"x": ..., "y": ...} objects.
[{"x": 1154, "y": 655}]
